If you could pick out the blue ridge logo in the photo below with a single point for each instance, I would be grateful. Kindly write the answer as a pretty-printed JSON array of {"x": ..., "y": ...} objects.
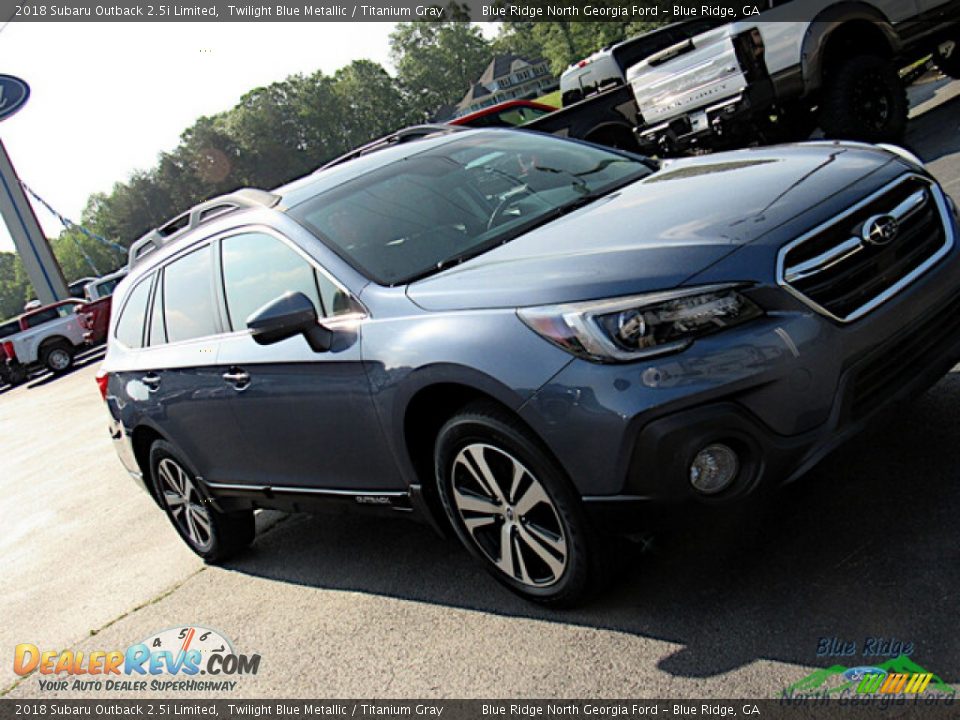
[{"x": 14, "y": 94}]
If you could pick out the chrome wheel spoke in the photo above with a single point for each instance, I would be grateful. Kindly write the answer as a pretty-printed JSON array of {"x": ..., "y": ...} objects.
[
  {"x": 518, "y": 472},
  {"x": 488, "y": 482},
  {"x": 168, "y": 477},
  {"x": 552, "y": 561},
  {"x": 547, "y": 538},
  {"x": 173, "y": 499},
  {"x": 533, "y": 496},
  {"x": 524, "y": 573},
  {"x": 202, "y": 520},
  {"x": 474, "y": 523},
  {"x": 469, "y": 502},
  {"x": 192, "y": 527},
  {"x": 505, "y": 562}
]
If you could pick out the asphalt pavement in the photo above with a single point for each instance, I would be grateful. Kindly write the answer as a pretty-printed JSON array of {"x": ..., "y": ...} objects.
[{"x": 720, "y": 605}]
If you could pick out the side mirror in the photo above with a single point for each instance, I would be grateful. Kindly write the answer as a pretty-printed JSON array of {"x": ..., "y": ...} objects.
[{"x": 290, "y": 314}]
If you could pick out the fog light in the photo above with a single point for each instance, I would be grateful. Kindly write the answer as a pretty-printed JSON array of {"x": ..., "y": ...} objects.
[{"x": 714, "y": 468}]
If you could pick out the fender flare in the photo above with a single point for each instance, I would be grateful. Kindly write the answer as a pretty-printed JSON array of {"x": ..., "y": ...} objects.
[{"x": 822, "y": 27}]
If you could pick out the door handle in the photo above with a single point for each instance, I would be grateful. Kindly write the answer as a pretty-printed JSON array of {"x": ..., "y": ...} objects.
[
  {"x": 237, "y": 377},
  {"x": 151, "y": 380}
]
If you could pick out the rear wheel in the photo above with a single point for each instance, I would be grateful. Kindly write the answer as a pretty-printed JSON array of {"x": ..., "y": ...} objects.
[
  {"x": 57, "y": 357},
  {"x": 864, "y": 99},
  {"x": 213, "y": 535},
  {"x": 513, "y": 508}
]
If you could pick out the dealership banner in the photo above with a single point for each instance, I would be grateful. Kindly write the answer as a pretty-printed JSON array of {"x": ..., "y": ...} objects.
[
  {"x": 841, "y": 709},
  {"x": 653, "y": 11}
]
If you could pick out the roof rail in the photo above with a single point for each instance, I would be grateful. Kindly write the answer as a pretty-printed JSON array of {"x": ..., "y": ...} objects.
[
  {"x": 407, "y": 134},
  {"x": 196, "y": 216}
]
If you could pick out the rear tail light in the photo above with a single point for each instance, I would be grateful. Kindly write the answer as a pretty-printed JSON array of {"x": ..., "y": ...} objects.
[
  {"x": 8, "y": 350},
  {"x": 102, "y": 379}
]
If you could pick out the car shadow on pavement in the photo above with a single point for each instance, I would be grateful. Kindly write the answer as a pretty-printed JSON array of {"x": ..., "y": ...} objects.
[
  {"x": 865, "y": 546},
  {"x": 936, "y": 133}
]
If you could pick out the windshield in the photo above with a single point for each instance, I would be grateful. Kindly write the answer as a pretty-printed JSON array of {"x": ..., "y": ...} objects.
[{"x": 453, "y": 201}]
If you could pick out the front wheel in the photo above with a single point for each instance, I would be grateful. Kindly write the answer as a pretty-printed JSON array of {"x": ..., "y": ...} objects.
[
  {"x": 864, "y": 99},
  {"x": 213, "y": 535},
  {"x": 513, "y": 508}
]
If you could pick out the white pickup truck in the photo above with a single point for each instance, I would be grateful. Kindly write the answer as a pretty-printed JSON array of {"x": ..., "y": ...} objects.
[
  {"x": 775, "y": 77},
  {"x": 48, "y": 336}
]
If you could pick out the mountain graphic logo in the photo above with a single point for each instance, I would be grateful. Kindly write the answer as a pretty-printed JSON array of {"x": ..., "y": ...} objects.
[{"x": 898, "y": 675}]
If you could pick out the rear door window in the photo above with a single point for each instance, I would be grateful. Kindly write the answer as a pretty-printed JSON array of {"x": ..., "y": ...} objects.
[
  {"x": 130, "y": 325},
  {"x": 188, "y": 302}
]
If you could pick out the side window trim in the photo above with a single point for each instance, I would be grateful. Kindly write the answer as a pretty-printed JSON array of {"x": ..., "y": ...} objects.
[
  {"x": 151, "y": 279},
  {"x": 156, "y": 292}
]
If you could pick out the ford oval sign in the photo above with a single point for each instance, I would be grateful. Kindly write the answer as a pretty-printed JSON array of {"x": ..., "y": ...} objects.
[{"x": 13, "y": 95}]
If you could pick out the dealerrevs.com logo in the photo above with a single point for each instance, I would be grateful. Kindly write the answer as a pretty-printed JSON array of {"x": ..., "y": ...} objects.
[{"x": 170, "y": 660}]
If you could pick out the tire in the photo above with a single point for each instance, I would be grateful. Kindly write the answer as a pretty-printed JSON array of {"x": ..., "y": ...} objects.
[
  {"x": 213, "y": 535},
  {"x": 17, "y": 375},
  {"x": 864, "y": 99},
  {"x": 57, "y": 357},
  {"x": 539, "y": 521},
  {"x": 949, "y": 65}
]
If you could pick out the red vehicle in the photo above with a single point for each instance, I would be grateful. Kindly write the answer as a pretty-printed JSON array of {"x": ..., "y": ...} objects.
[
  {"x": 506, "y": 114},
  {"x": 95, "y": 313}
]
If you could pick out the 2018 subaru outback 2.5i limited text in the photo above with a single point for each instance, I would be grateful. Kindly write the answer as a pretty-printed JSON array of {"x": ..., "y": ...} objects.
[{"x": 526, "y": 338}]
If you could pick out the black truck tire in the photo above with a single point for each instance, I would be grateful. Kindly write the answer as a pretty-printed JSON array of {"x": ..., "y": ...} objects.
[
  {"x": 14, "y": 374},
  {"x": 864, "y": 99},
  {"x": 57, "y": 356}
]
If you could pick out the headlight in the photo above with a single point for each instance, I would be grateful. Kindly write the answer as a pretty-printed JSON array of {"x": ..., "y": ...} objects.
[
  {"x": 901, "y": 153},
  {"x": 635, "y": 327}
]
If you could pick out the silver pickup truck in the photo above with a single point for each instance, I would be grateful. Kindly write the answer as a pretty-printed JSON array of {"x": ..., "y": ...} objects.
[
  {"x": 48, "y": 336},
  {"x": 772, "y": 77}
]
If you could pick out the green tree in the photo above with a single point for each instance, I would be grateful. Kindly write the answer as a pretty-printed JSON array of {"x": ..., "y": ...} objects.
[
  {"x": 13, "y": 285},
  {"x": 564, "y": 43},
  {"x": 437, "y": 62}
]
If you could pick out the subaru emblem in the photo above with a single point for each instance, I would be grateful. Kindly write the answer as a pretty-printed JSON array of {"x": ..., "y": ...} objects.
[{"x": 880, "y": 230}]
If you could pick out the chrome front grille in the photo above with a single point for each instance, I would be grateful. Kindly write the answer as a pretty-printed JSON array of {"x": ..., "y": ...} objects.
[{"x": 856, "y": 261}]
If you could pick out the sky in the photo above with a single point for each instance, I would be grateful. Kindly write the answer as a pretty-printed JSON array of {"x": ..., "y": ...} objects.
[{"x": 107, "y": 98}]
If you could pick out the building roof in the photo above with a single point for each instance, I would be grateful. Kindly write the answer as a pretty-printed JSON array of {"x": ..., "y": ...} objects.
[
  {"x": 500, "y": 66},
  {"x": 475, "y": 92},
  {"x": 503, "y": 65}
]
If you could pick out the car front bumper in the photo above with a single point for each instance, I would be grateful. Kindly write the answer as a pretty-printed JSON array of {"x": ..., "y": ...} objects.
[{"x": 782, "y": 391}]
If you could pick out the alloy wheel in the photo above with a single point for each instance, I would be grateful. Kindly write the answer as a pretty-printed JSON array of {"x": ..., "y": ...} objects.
[
  {"x": 509, "y": 515},
  {"x": 58, "y": 359},
  {"x": 185, "y": 504}
]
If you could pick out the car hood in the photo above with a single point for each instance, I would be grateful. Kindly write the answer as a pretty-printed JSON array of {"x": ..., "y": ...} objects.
[{"x": 656, "y": 233}]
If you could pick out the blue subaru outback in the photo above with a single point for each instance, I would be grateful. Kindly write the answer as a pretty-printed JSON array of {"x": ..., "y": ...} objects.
[{"x": 527, "y": 340}]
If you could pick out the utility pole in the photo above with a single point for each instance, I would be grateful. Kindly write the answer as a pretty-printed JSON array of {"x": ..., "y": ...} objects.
[{"x": 32, "y": 246}]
